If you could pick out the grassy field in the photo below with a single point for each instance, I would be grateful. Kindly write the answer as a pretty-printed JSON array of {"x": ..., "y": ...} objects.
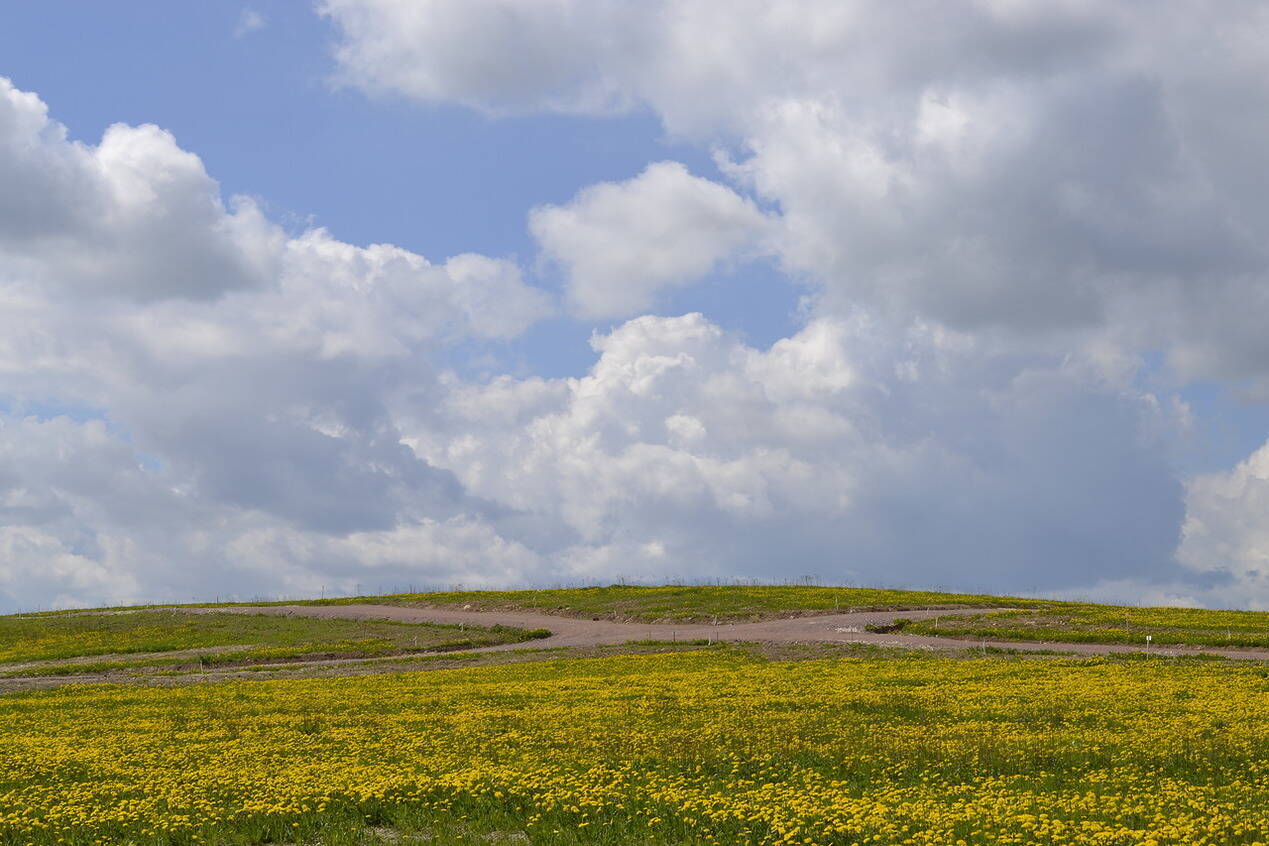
[
  {"x": 1037, "y": 619},
  {"x": 65, "y": 644},
  {"x": 691, "y": 604},
  {"x": 1071, "y": 623},
  {"x": 710, "y": 746}
]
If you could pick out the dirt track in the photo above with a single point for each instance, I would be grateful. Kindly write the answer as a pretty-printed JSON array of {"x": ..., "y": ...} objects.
[
  {"x": 573, "y": 632},
  {"x": 829, "y": 628}
]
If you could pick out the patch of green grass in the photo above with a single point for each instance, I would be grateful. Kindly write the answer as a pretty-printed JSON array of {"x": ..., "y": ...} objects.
[
  {"x": 1081, "y": 623},
  {"x": 148, "y": 639},
  {"x": 690, "y": 604}
]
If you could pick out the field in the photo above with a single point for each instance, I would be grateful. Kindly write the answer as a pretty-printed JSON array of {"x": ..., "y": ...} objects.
[
  {"x": 692, "y": 604},
  {"x": 65, "y": 644},
  {"x": 709, "y": 746},
  {"x": 1034, "y": 619},
  {"x": 1071, "y": 623},
  {"x": 631, "y": 743}
]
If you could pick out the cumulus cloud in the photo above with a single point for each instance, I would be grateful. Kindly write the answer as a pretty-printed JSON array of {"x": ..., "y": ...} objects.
[
  {"x": 684, "y": 451},
  {"x": 620, "y": 243},
  {"x": 540, "y": 54},
  {"x": 1006, "y": 210},
  {"x": 1037, "y": 168},
  {"x": 134, "y": 216},
  {"x": 1225, "y": 529},
  {"x": 88, "y": 517},
  {"x": 225, "y": 379},
  {"x": 1073, "y": 187}
]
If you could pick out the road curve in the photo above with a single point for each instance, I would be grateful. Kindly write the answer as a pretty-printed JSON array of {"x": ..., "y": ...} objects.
[
  {"x": 574, "y": 632},
  {"x": 828, "y": 628}
]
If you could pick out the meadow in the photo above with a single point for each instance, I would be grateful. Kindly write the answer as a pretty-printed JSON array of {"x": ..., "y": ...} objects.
[
  {"x": 1029, "y": 619},
  {"x": 708, "y": 746},
  {"x": 69, "y": 643},
  {"x": 1072, "y": 623},
  {"x": 1033, "y": 619},
  {"x": 690, "y": 603}
]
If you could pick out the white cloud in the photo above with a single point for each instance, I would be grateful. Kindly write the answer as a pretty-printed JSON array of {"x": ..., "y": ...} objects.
[
  {"x": 37, "y": 566},
  {"x": 134, "y": 216},
  {"x": 1007, "y": 208},
  {"x": 621, "y": 243},
  {"x": 539, "y": 54},
  {"x": 1039, "y": 168},
  {"x": 86, "y": 518},
  {"x": 248, "y": 22},
  {"x": 1226, "y": 532},
  {"x": 295, "y": 433},
  {"x": 234, "y": 381},
  {"x": 814, "y": 457}
]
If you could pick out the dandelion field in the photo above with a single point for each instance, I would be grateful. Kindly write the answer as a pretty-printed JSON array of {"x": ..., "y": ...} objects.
[{"x": 706, "y": 746}]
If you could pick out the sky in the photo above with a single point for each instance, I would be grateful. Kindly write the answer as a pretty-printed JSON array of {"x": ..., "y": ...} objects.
[{"x": 372, "y": 294}]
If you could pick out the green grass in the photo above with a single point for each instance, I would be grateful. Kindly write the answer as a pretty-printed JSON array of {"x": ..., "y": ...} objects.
[
  {"x": 1070, "y": 622},
  {"x": 1040, "y": 620},
  {"x": 650, "y": 604},
  {"x": 1078, "y": 623},
  {"x": 689, "y": 604},
  {"x": 146, "y": 639}
]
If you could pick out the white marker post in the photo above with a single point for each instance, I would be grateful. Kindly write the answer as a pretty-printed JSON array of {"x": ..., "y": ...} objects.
[{"x": 1148, "y": 639}]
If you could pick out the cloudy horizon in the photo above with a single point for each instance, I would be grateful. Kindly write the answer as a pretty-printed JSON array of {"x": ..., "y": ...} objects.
[{"x": 373, "y": 293}]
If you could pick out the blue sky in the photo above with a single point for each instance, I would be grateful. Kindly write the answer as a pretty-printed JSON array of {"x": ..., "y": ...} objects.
[{"x": 855, "y": 326}]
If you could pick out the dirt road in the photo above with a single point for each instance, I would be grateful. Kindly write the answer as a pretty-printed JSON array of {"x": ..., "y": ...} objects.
[
  {"x": 573, "y": 632},
  {"x": 829, "y": 628}
]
